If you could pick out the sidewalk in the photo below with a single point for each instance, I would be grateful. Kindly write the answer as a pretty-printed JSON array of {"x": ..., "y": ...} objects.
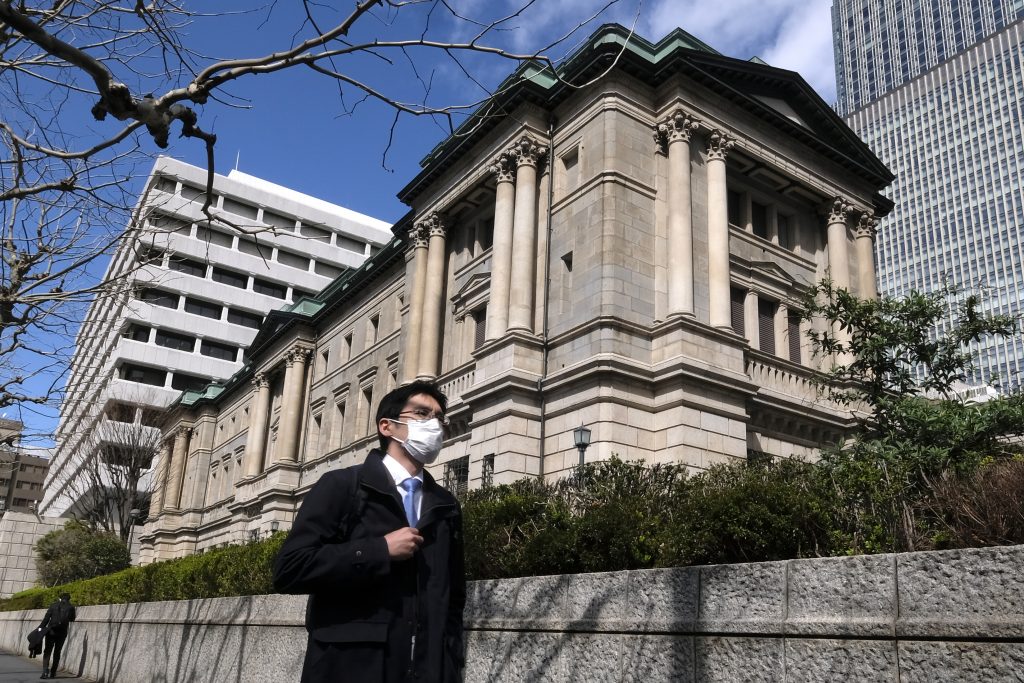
[{"x": 15, "y": 669}]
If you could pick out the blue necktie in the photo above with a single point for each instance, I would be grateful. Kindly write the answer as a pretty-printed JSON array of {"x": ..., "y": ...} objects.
[{"x": 411, "y": 485}]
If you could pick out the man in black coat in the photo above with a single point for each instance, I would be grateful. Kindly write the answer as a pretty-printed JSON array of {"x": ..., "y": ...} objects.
[
  {"x": 378, "y": 547},
  {"x": 55, "y": 625}
]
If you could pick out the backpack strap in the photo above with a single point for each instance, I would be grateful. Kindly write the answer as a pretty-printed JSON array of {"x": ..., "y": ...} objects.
[{"x": 355, "y": 499}]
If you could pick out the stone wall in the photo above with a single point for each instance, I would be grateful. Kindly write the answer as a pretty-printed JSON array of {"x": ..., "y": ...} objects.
[
  {"x": 19, "y": 532},
  {"x": 943, "y": 616}
]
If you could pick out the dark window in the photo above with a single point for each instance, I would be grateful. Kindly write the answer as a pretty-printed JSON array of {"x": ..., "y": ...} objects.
[
  {"x": 487, "y": 474},
  {"x": 230, "y": 277},
  {"x": 138, "y": 333},
  {"x": 292, "y": 260},
  {"x": 152, "y": 417},
  {"x": 203, "y": 308},
  {"x": 794, "y": 338},
  {"x": 217, "y": 350},
  {"x": 485, "y": 234},
  {"x": 456, "y": 475},
  {"x": 278, "y": 221},
  {"x": 143, "y": 375},
  {"x": 187, "y": 266},
  {"x": 248, "y": 246},
  {"x": 239, "y": 208},
  {"x": 159, "y": 297},
  {"x": 735, "y": 207},
  {"x": 759, "y": 219},
  {"x": 327, "y": 270},
  {"x": 736, "y": 310},
  {"x": 766, "y": 324},
  {"x": 315, "y": 233},
  {"x": 217, "y": 237},
  {"x": 480, "y": 333},
  {"x": 244, "y": 318},
  {"x": 268, "y": 288},
  {"x": 785, "y": 238},
  {"x": 183, "y": 382},
  {"x": 354, "y": 246},
  {"x": 171, "y": 340}
]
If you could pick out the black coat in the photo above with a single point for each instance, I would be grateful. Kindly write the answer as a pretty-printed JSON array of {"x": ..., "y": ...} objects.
[
  {"x": 364, "y": 609},
  {"x": 58, "y": 617}
]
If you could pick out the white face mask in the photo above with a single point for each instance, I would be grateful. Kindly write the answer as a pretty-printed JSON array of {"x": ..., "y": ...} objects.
[{"x": 424, "y": 440}]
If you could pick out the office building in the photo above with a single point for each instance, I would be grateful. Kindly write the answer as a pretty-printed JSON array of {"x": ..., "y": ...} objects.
[
  {"x": 22, "y": 471},
  {"x": 951, "y": 129},
  {"x": 185, "y": 299},
  {"x": 630, "y": 255}
]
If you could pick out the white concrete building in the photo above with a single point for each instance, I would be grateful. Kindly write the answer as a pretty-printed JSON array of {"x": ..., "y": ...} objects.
[{"x": 187, "y": 297}]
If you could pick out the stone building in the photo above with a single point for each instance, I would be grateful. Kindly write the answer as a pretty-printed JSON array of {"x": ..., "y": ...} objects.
[{"x": 629, "y": 254}]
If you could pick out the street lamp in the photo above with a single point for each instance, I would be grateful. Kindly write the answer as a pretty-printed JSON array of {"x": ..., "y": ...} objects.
[
  {"x": 274, "y": 526},
  {"x": 133, "y": 514},
  {"x": 581, "y": 437}
]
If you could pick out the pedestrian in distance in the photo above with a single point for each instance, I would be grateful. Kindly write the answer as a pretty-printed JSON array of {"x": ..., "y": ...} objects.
[
  {"x": 55, "y": 625},
  {"x": 378, "y": 548}
]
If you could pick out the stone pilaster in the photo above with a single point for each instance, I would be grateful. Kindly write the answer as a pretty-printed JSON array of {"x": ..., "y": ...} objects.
[
  {"x": 156, "y": 502},
  {"x": 675, "y": 134},
  {"x": 524, "y": 235},
  {"x": 172, "y": 499},
  {"x": 292, "y": 404},
  {"x": 259, "y": 412},
  {"x": 867, "y": 228},
  {"x": 416, "y": 295},
  {"x": 433, "y": 297},
  {"x": 501, "y": 251},
  {"x": 718, "y": 147}
]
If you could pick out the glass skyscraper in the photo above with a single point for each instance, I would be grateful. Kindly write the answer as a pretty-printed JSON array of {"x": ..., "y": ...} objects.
[{"x": 936, "y": 89}]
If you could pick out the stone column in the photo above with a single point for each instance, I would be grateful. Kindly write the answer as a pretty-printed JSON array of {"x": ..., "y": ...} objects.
[
  {"x": 433, "y": 297},
  {"x": 751, "y": 320},
  {"x": 718, "y": 230},
  {"x": 292, "y": 404},
  {"x": 256, "y": 439},
  {"x": 867, "y": 228},
  {"x": 201, "y": 463},
  {"x": 839, "y": 264},
  {"x": 501, "y": 250},
  {"x": 676, "y": 132},
  {"x": 782, "y": 331},
  {"x": 524, "y": 235},
  {"x": 156, "y": 501},
  {"x": 416, "y": 293},
  {"x": 838, "y": 246},
  {"x": 172, "y": 500}
]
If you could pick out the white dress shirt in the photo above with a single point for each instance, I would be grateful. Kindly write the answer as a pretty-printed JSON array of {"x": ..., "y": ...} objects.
[{"x": 398, "y": 475}]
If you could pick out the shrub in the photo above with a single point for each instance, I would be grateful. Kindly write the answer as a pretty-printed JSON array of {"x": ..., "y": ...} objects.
[
  {"x": 983, "y": 508},
  {"x": 79, "y": 552}
]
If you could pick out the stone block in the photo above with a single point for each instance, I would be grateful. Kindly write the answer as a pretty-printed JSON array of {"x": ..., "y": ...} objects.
[
  {"x": 727, "y": 660},
  {"x": 512, "y": 657},
  {"x": 662, "y": 600},
  {"x": 590, "y": 658},
  {"x": 962, "y": 662},
  {"x": 961, "y": 593},
  {"x": 596, "y": 601},
  {"x": 742, "y": 598},
  {"x": 517, "y": 603},
  {"x": 646, "y": 659},
  {"x": 813, "y": 660},
  {"x": 842, "y": 596}
]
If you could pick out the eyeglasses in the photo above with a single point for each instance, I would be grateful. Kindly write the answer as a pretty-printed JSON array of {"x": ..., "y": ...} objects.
[{"x": 423, "y": 413}]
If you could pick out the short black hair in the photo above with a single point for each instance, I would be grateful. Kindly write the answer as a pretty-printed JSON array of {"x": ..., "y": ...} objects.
[
  {"x": 65, "y": 596},
  {"x": 392, "y": 404}
]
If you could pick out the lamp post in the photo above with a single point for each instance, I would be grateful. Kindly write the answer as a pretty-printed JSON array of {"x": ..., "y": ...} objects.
[
  {"x": 581, "y": 437},
  {"x": 133, "y": 514},
  {"x": 274, "y": 526}
]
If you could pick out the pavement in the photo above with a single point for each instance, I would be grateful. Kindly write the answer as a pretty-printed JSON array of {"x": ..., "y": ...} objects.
[{"x": 17, "y": 669}]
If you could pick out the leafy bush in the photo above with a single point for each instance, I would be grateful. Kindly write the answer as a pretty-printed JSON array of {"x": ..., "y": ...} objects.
[
  {"x": 983, "y": 508},
  {"x": 79, "y": 552},
  {"x": 234, "y": 570}
]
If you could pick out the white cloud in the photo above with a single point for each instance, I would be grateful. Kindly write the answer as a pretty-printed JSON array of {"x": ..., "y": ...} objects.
[{"x": 790, "y": 34}]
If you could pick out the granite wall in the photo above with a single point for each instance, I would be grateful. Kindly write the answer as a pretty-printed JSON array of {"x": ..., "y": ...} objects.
[
  {"x": 19, "y": 532},
  {"x": 940, "y": 616}
]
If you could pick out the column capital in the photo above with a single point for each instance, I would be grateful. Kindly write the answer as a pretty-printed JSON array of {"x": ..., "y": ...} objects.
[
  {"x": 678, "y": 127},
  {"x": 432, "y": 226},
  {"x": 527, "y": 151},
  {"x": 719, "y": 145},
  {"x": 504, "y": 167},
  {"x": 260, "y": 380},
  {"x": 417, "y": 237},
  {"x": 298, "y": 354},
  {"x": 838, "y": 211},
  {"x": 183, "y": 431},
  {"x": 867, "y": 225}
]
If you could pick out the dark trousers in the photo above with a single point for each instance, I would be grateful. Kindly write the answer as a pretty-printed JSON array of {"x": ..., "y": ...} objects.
[{"x": 54, "y": 644}]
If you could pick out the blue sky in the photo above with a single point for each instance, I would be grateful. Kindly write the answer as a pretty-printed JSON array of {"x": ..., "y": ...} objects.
[{"x": 293, "y": 128}]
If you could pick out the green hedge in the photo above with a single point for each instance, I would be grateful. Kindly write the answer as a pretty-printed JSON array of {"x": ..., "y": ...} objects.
[
  {"x": 234, "y": 570},
  {"x": 619, "y": 515}
]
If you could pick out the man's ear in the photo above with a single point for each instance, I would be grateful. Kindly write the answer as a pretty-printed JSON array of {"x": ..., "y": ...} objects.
[{"x": 386, "y": 427}]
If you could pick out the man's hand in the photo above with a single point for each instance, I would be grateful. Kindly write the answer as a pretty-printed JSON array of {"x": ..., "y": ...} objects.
[{"x": 403, "y": 543}]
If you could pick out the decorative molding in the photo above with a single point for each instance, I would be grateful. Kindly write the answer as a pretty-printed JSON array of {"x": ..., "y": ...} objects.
[
  {"x": 678, "y": 127},
  {"x": 719, "y": 145},
  {"x": 433, "y": 225},
  {"x": 504, "y": 167},
  {"x": 838, "y": 211},
  {"x": 298, "y": 354},
  {"x": 867, "y": 225},
  {"x": 528, "y": 151},
  {"x": 260, "y": 380}
]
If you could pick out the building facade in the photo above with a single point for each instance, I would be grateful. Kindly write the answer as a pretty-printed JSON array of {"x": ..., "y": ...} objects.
[
  {"x": 882, "y": 44},
  {"x": 954, "y": 135},
  {"x": 186, "y": 297},
  {"x": 21, "y": 472},
  {"x": 630, "y": 255}
]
